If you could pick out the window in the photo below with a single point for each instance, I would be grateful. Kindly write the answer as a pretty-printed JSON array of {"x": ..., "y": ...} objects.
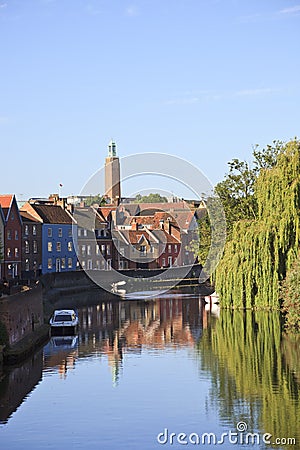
[
  {"x": 108, "y": 267},
  {"x": 83, "y": 250},
  {"x": 79, "y": 232},
  {"x": 70, "y": 263},
  {"x": 49, "y": 246},
  {"x": 26, "y": 247},
  {"x": 170, "y": 261},
  {"x": 163, "y": 262},
  {"x": 34, "y": 230},
  {"x": 103, "y": 248},
  {"x": 84, "y": 232},
  {"x": 60, "y": 232},
  {"x": 70, "y": 246},
  {"x": 27, "y": 265},
  {"x": 97, "y": 249},
  {"x": 88, "y": 249},
  {"x": 26, "y": 230},
  {"x": 50, "y": 233},
  {"x": 63, "y": 263},
  {"x": 9, "y": 252},
  {"x": 169, "y": 248},
  {"x": 108, "y": 249},
  {"x": 58, "y": 246},
  {"x": 9, "y": 235},
  {"x": 175, "y": 248},
  {"x": 16, "y": 252},
  {"x": 143, "y": 250},
  {"x": 16, "y": 235},
  {"x": 35, "y": 247},
  {"x": 70, "y": 231},
  {"x": 98, "y": 264},
  {"x": 83, "y": 264},
  {"x": 90, "y": 264},
  {"x": 49, "y": 263}
]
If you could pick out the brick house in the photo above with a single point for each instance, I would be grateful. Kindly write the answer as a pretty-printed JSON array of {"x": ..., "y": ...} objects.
[
  {"x": 31, "y": 246},
  {"x": 12, "y": 245},
  {"x": 2, "y": 225}
]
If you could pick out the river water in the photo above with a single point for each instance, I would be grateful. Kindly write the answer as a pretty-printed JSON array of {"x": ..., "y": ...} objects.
[{"x": 161, "y": 373}]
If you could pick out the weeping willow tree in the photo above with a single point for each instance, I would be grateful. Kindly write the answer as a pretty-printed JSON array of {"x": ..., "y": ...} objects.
[{"x": 261, "y": 250}]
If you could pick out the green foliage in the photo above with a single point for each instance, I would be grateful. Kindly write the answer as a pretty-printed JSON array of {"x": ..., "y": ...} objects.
[
  {"x": 253, "y": 369},
  {"x": 151, "y": 198},
  {"x": 96, "y": 199},
  {"x": 3, "y": 334},
  {"x": 261, "y": 250},
  {"x": 290, "y": 293},
  {"x": 237, "y": 190}
]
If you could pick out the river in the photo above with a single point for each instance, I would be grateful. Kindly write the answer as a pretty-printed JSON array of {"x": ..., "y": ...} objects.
[{"x": 159, "y": 373}]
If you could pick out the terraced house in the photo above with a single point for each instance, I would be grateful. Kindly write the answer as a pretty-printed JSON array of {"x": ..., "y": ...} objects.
[
  {"x": 58, "y": 245},
  {"x": 12, "y": 242}
]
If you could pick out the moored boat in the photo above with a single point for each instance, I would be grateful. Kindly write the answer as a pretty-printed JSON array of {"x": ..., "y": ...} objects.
[{"x": 64, "y": 321}]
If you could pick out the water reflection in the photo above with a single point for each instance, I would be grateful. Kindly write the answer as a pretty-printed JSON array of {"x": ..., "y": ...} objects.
[
  {"x": 112, "y": 329},
  {"x": 248, "y": 371},
  {"x": 254, "y": 372},
  {"x": 17, "y": 382}
]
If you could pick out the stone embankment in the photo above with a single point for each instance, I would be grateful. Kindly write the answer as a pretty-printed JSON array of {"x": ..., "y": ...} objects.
[{"x": 22, "y": 327}]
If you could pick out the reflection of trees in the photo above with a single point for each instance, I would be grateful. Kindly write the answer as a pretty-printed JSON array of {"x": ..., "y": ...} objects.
[{"x": 251, "y": 380}]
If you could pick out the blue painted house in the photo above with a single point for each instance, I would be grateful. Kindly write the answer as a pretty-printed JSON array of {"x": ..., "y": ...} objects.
[{"x": 59, "y": 235}]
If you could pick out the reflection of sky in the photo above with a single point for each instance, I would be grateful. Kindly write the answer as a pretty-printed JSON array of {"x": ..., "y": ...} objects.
[{"x": 84, "y": 410}]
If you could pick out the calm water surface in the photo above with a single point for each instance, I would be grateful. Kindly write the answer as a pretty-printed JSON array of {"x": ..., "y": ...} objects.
[{"x": 139, "y": 371}]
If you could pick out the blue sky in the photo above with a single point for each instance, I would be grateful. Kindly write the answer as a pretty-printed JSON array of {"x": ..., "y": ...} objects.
[{"x": 204, "y": 80}]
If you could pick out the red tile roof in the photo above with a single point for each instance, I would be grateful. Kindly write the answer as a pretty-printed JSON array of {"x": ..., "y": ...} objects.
[{"x": 5, "y": 200}]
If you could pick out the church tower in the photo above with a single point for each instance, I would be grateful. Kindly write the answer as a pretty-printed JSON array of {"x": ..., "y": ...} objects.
[{"x": 112, "y": 174}]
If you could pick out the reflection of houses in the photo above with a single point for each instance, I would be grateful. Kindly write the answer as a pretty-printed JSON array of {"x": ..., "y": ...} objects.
[
  {"x": 12, "y": 245},
  {"x": 112, "y": 328}
]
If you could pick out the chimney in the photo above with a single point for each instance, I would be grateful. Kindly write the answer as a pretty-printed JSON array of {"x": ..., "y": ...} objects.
[
  {"x": 169, "y": 225},
  {"x": 134, "y": 225}
]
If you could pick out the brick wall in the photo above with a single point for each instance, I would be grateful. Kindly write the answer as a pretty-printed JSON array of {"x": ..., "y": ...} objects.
[{"x": 22, "y": 313}]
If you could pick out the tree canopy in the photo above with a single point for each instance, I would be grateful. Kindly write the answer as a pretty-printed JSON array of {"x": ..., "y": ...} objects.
[
  {"x": 151, "y": 198},
  {"x": 261, "y": 249}
]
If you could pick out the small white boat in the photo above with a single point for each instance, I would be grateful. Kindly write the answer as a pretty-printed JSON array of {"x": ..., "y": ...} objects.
[
  {"x": 64, "y": 320},
  {"x": 213, "y": 298}
]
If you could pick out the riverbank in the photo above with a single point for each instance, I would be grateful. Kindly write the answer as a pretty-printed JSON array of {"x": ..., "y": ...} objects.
[{"x": 26, "y": 346}]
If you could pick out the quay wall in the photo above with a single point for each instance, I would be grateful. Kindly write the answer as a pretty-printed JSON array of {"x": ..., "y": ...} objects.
[{"x": 22, "y": 313}]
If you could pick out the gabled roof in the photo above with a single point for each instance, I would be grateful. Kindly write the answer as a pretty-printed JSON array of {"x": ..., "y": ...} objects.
[
  {"x": 147, "y": 209},
  {"x": 53, "y": 214},
  {"x": 89, "y": 218},
  {"x": 2, "y": 218},
  {"x": 6, "y": 202},
  {"x": 165, "y": 237},
  {"x": 106, "y": 210},
  {"x": 27, "y": 217}
]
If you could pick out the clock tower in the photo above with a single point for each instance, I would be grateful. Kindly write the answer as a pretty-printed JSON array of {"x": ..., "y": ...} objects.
[{"x": 112, "y": 174}]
